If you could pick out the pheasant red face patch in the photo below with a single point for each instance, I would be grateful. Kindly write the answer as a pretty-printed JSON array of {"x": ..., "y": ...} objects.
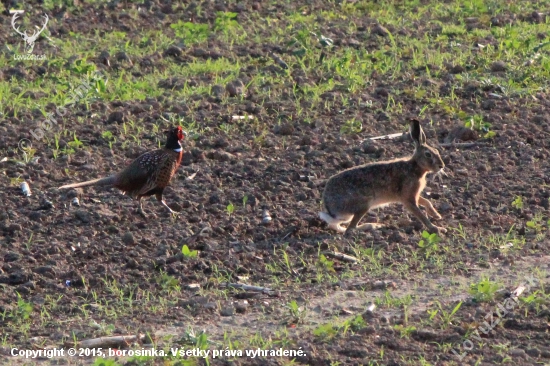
[{"x": 179, "y": 133}]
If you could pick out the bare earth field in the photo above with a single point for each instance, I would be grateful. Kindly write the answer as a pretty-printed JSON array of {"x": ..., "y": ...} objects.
[{"x": 276, "y": 96}]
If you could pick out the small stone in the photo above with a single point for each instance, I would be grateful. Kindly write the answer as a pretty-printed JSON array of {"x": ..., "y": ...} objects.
[
  {"x": 167, "y": 9},
  {"x": 199, "y": 52},
  {"x": 83, "y": 216},
  {"x": 382, "y": 285},
  {"x": 15, "y": 72},
  {"x": 444, "y": 207},
  {"x": 380, "y": 30},
  {"x": 194, "y": 286},
  {"x": 396, "y": 237},
  {"x": 488, "y": 104},
  {"x": 220, "y": 155},
  {"x": 128, "y": 239},
  {"x": 266, "y": 217},
  {"x": 496, "y": 22},
  {"x": 115, "y": 117},
  {"x": 132, "y": 263},
  {"x": 194, "y": 302},
  {"x": 26, "y": 189},
  {"x": 174, "y": 258},
  {"x": 46, "y": 271},
  {"x": 22, "y": 290},
  {"x": 235, "y": 88},
  {"x": 425, "y": 335},
  {"x": 228, "y": 311},
  {"x": 242, "y": 306},
  {"x": 533, "y": 352},
  {"x": 218, "y": 91},
  {"x": 517, "y": 352},
  {"x": 104, "y": 57},
  {"x": 46, "y": 205},
  {"x": 368, "y": 330},
  {"x": 537, "y": 17},
  {"x": 214, "y": 199},
  {"x": 74, "y": 193},
  {"x": 544, "y": 352},
  {"x": 187, "y": 158},
  {"x": 220, "y": 142},
  {"x": 29, "y": 285},
  {"x": 385, "y": 319},
  {"x": 381, "y": 91},
  {"x": 173, "y": 51},
  {"x": 14, "y": 227},
  {"x": 35, "y": 216},
  {"x": 456, "y": 69},
  {"x": 369, "y": 147},
  {"x": 38, "y": 300},
  {"x": 123, "y": 57},
  {"x": 284, "y": 129},
  {"x": 11, "y": 257},
  {"x": 210, "y": 305},
  {"x": 498, "y": 66},
  {"x": 461, "y": 133},
  {"x": 16, "y": 278}
]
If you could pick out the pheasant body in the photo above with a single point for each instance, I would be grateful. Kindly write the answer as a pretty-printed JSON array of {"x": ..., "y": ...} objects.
[{"x": 149, "y": 174}]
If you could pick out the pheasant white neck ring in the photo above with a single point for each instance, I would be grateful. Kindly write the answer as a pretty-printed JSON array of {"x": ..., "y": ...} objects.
[{"x": 178, "y": 149}]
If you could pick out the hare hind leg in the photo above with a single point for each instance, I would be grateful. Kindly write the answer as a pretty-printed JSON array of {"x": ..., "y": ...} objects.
[
  {"x": 334, "y": 222},
  {"x": 369, "y": 226},
  {"x": 337, "y": 228},
  {"x": 356, "y": 218}
]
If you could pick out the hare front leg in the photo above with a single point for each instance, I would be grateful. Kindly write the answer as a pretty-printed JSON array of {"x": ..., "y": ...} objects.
[
  {"x": 413, "y": 208},
  {"x": 428, "y": 206}
]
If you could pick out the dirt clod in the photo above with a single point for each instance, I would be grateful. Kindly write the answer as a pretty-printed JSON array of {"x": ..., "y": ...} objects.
[
  {"x": 173, "y": 51},
  {"x": 83, "y": 216},
  {"x": 499, "y": 66},
  {"x": 380, "y": 30},
  {"x": 116, "y": 117},
  {"x": 461, "y": 133},
  {"x": 235, "y": 88}
]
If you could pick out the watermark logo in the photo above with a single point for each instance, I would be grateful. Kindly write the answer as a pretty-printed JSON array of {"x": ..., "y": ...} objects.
[
  {"x": 502, "y": 310},
  {"x": 29, "y": 39},
  {"x": 25, "y": 144}
]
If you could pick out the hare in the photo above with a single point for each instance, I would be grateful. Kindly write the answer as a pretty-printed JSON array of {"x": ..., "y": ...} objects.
[{"x": 350, "y": 194}]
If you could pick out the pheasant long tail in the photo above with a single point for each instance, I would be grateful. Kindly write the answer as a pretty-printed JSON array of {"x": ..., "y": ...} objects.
[{"x": 108, "y": 181}]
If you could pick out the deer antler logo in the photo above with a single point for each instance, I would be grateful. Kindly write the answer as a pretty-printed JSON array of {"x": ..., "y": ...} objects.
[{"x": 29, "y": 40}]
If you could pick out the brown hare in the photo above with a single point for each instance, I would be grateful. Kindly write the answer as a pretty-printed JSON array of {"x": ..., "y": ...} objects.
[{"x": 350, "y": 194}]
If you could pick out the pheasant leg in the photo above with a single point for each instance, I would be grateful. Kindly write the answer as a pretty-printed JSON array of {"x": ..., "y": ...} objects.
[
  {"x": 159, "y": 198},
  {"x": 140, "y": 209}
]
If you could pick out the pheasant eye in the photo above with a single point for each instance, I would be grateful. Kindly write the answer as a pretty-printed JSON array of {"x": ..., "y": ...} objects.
[{"x": 428, "y": 154}]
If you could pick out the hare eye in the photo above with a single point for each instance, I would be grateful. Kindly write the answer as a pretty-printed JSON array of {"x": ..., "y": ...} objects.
[{"x": 428, "y": 154}]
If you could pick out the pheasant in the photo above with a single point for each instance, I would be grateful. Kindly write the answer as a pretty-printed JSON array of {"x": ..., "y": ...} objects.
[{"x": 148, "y": 174}]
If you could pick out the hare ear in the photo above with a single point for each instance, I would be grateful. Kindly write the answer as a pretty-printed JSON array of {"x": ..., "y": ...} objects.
[{"x": 416, "y": 132}]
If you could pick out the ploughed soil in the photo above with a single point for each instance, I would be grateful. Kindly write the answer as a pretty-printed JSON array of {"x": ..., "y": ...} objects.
[{"x": 99, "y": 269}]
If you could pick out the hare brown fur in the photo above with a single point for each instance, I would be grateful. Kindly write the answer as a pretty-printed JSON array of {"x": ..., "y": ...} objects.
[{"x": 350, "y": 194}]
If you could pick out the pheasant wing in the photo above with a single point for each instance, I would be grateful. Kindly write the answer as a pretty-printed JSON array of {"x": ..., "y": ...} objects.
[{"x": 139, "y": 177}]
